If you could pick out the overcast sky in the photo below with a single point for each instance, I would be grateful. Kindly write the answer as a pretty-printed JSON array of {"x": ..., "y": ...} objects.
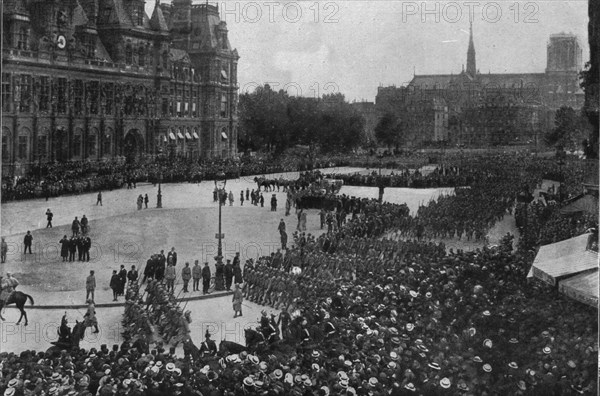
[{"x": 353, "y": 47}]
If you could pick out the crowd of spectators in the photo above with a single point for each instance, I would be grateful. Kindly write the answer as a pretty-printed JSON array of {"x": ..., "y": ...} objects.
[
  {"x": 377, "y": 317},
  {"x": 438, "y": 177}
]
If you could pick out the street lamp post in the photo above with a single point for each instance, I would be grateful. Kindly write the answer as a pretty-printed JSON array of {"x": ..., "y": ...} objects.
[
  {"x": 220, "y": 236},
  {"x": 159, "y": 195}
]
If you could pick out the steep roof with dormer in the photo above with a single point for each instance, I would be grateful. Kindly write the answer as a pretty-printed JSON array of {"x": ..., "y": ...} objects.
[{"x": 157, "y": 21}]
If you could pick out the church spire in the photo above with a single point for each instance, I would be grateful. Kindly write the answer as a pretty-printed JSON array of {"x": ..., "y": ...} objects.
[{"x": 471, "y": 66}]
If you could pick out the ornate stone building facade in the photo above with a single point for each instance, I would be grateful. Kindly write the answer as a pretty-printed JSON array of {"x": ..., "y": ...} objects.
[
  {"x": 99, "y": 79},
  {"x": 479, "y": 109}
]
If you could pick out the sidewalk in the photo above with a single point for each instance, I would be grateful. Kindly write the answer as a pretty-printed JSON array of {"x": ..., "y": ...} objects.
[{"x": 103, "y": 297}]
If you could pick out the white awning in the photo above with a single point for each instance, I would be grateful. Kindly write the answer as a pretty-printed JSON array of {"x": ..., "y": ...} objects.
[
  {"x": 179, "y": 135},
  {"x": 195, "y": 135},
  {"x": 224, "y": 135},
  {"x": 188, "y": 136},
  {"x": 558, "y": 260},
  {"x": 172, "y": 136},
  {"x": 582, "y": 287},
  {"x": 224, "y": 74}
]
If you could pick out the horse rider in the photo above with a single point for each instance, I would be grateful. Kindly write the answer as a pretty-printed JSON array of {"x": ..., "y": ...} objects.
[
  {"x": 7, "y": 286},
  {"x": 266, "y": 326},
  {"x": 64, "y": 331},
  {"x": 208, "y": 347},
  {"x": 184, "y": 329},
  {"x": 13, "y": 282}
]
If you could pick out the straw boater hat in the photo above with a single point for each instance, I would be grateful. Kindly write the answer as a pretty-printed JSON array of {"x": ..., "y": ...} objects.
[
  {"x": 547, "y": 350},
  {"x": 434, "y": 366},
  {"x": 487, "y": 368},
  {"x": 445, "y": 383}
]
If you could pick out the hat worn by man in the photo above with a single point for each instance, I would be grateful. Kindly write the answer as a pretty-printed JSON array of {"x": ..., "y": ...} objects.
[
  {"x": 14, "y": 382},
  {"x": 488, "y": 343},
  {"x": 392, "y": 365},
  {"x": 10, "y": 391},
  {"x": 547, "y": 350},
  {"x": 410, "y": 327},
  {"x": 410, "y": 387},
  {"x": 445, "y": 383},
  {"x": 477, "y": 359},
  {"x": 513, "y": 341},
  {"x": 170, "y": 366},
  {"x": 248, "y": 381},
  {"x": 289, "y": 378},
  {"x": 434, "y": 366},
  {"x": 513, "y": 365},
  {"x": 315, "y": 354},
  {"x": 487, "y": 368}
]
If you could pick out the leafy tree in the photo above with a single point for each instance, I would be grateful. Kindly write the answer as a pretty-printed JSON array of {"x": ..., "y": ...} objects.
[
  {"x": 569, "y": 130},
  {"x": 389, "y": 130},
  {"x": 276, "y": 121}
]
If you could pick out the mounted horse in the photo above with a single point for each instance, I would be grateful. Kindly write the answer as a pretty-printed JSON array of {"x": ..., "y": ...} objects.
[
  {"x": 68, "y": 339},
  {"x": 229, "y": 347},
  {"x": 225, "y": 348},
  {"x": 19, "y": 299}
]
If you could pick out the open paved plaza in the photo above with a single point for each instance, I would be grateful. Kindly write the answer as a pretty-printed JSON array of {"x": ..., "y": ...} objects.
[{"x": 123, "y": 235}]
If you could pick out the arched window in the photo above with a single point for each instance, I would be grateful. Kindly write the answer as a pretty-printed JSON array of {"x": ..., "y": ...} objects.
[
  {"x": 128, "y": 54},
  {"x": 92, "y": 142},
  {"x": 223, "y": 105},
  {"x": 6, "y": 145},
  {"x": 77, "y": 142},
  {"x": 106, "y": 142},
  {"x": 165, "y": 59},
  {"x": 42, "y": 144},
  {"x": 23, "y": 144},
  {"x": 23, "y": 38},
  {"x": 142, "y": 56}
]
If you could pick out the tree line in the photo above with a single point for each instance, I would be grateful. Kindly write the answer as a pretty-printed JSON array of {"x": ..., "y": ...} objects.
[{"x": 275, "y": 121}]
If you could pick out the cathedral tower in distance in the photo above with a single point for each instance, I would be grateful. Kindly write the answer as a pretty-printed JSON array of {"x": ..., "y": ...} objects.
[{"x": 564, "y": 53}]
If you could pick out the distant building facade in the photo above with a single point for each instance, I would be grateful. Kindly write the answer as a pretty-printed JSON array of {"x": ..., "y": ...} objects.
[
  {"x": 477, "y": 109},
  {"x": 99, "y": 79}
]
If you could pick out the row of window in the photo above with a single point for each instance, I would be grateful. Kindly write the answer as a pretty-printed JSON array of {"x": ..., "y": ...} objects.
[
  {"x": 24, "y": 144},
  {"x": 87, "y": 97}
]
